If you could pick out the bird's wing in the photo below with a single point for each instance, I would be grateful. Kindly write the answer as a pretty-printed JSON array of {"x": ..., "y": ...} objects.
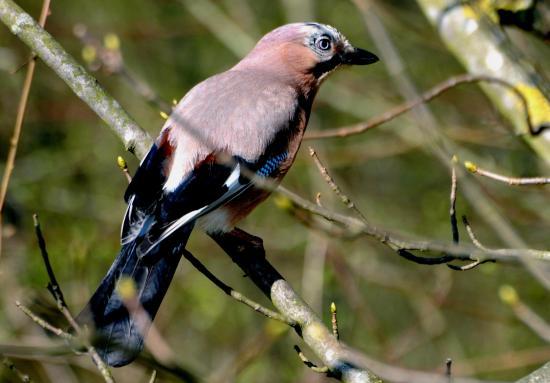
[
  {"x": 145, "y": 189},
  {"x": 229, "y": 187},
  {"x": 154, "y": 213}
]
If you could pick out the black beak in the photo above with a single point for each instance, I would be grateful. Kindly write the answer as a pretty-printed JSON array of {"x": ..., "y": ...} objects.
[{"x": 358, "y": 56}]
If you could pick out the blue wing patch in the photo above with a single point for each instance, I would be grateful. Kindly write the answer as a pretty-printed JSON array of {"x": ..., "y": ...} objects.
[{"x": 272, "y": 164}]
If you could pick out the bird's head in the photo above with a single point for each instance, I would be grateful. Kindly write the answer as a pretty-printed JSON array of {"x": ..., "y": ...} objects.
[{"x": 307, "y": 49}]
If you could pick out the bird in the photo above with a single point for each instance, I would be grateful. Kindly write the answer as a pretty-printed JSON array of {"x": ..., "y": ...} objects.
[{"x": 243, "y": 124}]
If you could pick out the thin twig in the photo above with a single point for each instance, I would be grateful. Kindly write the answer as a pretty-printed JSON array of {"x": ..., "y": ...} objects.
[
  {"x": 427, "y": 96},
  {"x": 524, "y": 313},
  {"x": 469, "y": 266},
  {"x": 401, "y": 246},
  {"x": 472, "y": 235},
  {"x": 21, "y": 108},
  {"x": 43, "y": 323},
  {"x": 153, "y": 377},
  {"x": 124, "y": 167},
  {"x": 532, "y": 320},
  {"x": 514, "y": 181},
  {"x": 312, "y": 366},
  {"x": 22, "y": 377},
  {"x": 101, "y": 366},
  {"x": 235, "y": 294},
  {"x": 452, "y": 210},
  {"x": 478, "y": 244},
  {"x": 55, "y": 290},
  {"x": 404, "y": 245},
  {"x": 334, "y": 320},
  {"x": 425, "y": 260},
  {"x": 335, "y": 188},
  {"x": 53, "y": 285},
  {"x": 448, "y": 367}
]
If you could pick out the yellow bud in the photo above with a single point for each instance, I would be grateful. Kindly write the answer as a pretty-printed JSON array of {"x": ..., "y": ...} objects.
[
  {"x": 163, "y": 115},
  {"x": 121, "y": 162},
  {"x": 508, "y": 295},
  {"x": 126, "y": 288},
  {"x": 454, "y": 159},
  {"x": 283, "y": 202},
  {"x": 174, "y": 102},
  {"x": 333, "y": 308},
  {"x": 470, "y": 166},
  {"x": 89, "y": 53},
  {"x": 111, "y": 42}
]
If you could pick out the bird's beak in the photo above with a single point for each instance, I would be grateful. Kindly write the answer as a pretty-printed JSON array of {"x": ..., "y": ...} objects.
[{"x": 357, "y": 56}]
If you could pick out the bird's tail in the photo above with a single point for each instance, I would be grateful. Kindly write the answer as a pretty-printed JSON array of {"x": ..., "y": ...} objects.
[{"x": 119, "y": 329}]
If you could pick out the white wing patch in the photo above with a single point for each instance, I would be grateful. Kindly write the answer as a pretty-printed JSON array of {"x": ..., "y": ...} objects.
[{"x": 235, "y": 188}]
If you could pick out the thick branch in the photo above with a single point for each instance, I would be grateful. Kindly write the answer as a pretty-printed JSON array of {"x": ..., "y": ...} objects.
[
  {"x": 83, "y": 84},
  {"x": 248, "y": 253},
  {"x": 491, "y": 53},
  {"x": 540, "y": 375}
]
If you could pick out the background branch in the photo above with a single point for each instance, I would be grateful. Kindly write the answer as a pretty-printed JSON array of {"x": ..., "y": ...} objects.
[
  {"x": 491, "y": 53},
  {"x": 423, "y": 98},
  {"x": 81, "y": 82},
  {"x": 21, "y": 108}
]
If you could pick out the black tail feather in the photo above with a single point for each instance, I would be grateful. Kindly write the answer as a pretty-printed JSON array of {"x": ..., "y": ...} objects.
[{"x": 118, "y": 338}]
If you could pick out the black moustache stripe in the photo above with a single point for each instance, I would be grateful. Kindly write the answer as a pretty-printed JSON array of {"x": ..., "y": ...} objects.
[{"x": 326, "y": 66}]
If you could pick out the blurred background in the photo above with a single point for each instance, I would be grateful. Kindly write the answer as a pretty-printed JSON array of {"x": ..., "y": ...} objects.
[{"x": 395, "y": 311}]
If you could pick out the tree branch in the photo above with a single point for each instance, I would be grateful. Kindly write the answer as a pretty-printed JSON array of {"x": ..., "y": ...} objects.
[
  {"x": 248, "y": 253},
  {"x": 55, "y": 290},
  {"x": 85, "y": 86},
  {"x": 490, "y": 52},
  {"x": 513, "y": 181},
  {"x": 540, "y": 375},
  {"x": 425, "y": 97},
  {"x": 403, "y": 247},
  {"x": 21, "y": 108}
]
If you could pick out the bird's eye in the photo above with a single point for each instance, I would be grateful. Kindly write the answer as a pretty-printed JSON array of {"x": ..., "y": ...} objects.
[{"x": 323, "y": 43}]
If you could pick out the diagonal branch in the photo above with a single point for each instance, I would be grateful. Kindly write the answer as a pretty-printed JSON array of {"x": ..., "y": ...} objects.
[
  {"x": 85, "y": 86},
  {"x": 425, "y": 97},
  {"x": 248, "y": 253}
]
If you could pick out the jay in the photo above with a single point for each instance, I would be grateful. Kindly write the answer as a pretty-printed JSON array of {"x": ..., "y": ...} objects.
[{"x": 243, "y": 123}]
